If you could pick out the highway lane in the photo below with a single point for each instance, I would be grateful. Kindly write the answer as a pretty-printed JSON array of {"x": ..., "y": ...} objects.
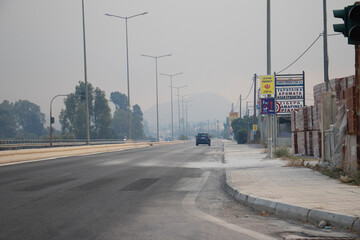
[
  {"x": 168, "y": 192},
  {"x": 133, "y": 194}
]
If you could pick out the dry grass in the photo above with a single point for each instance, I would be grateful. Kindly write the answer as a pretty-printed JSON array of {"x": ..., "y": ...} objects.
[
  {"x": 296, "y": 162},
  {"x": 264, "y": 213}
]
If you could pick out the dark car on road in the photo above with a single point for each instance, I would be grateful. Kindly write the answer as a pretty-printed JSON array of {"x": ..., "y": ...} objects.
[{"x": 203, "y": 138}]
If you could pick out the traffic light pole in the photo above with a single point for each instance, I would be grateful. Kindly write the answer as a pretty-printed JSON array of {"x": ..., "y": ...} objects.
[{"x": 51, "y": 116}]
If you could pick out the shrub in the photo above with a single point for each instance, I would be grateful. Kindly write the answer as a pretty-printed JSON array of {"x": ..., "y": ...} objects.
[
  {"x": 281, "y": 152},
  {"x": 241, "y": 136}
]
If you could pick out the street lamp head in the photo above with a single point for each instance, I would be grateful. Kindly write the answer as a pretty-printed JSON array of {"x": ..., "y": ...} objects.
[{"x": 168, "y": 55}]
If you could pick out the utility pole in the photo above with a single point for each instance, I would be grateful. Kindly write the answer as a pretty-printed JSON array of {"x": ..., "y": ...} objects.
[
  {"x": 240, "y": 107},
  {"x": 326, "y": 57},
  {"x": 247, "y": 109}
]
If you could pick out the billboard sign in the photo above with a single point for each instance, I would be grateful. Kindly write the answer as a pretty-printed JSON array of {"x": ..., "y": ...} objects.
[
  {"x": 283, "y": 93},
  {"x": 290, "y": 92},
  {"x": 267, "y": 85},
  {"x": 286, "y": 106},
  {"x": 233, "y": 116}
]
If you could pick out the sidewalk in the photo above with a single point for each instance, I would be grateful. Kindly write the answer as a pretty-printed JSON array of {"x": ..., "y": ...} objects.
[{"x": 291, "y": 192}]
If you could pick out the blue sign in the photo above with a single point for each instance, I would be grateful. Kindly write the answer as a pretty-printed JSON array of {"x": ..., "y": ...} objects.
[{"x": 268, "y": 106}]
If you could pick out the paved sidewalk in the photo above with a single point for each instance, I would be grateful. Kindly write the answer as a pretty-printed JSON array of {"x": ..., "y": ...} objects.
[{"x": 293, "y": 192}]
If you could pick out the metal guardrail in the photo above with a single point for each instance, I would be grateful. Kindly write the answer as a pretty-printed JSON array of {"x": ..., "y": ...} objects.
[{"x": 36, "y": 143}]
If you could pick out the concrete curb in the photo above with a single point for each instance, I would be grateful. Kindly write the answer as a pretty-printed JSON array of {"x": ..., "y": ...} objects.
[{"x": 292, "y": 211}]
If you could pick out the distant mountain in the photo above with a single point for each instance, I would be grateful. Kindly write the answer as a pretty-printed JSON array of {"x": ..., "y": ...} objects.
[{"x": 201, "y": 108}]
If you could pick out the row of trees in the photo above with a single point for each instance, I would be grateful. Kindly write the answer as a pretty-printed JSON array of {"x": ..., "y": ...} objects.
[
  {"x": 102, "y": 124},
  {"x": 24, "y": 120}
]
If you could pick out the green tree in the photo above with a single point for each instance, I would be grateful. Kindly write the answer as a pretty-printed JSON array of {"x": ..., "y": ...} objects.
[
  {"x": 7, "y": 120},
  {"x": 137, "y": 123},
  {"x": 29, "y": 118},
  {"x": 102, "y": 115},
  {"x": 73, "y": 117},
  {"x": 120, "y": 123},
  {"x": 120, "y": 100},
  {"x": 241, "y": 127}
]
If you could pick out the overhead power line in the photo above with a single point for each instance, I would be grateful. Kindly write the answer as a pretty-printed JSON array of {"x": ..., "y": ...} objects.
[
  {"x": 238, "y": 101},
  {"x": 312, "y": 44},
  {"x": 249, "y": 90}
]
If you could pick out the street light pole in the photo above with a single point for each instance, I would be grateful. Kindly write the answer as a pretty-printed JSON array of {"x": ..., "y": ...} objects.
[
  {"x": 172, "y": 111},
  {"x": 268, "y": 37},
  {"x": 183, "y": 113},
  {"x": 178, "y": 94},
  {"x": 157, "y": 94},
  {"x": 127, "y": 63},
  {"x": 86, "y": 83},
  {"x": 187, "y": 125}
]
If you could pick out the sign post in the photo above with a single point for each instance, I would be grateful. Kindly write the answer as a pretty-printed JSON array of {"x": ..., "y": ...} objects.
[{"x": 268, "y": 91}]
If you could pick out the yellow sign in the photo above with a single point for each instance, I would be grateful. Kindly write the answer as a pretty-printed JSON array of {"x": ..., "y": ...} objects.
[
  {"x": 255, "y": 127},
  {"x": 233, "y": 116},
  {"x": 267, "y": 84}
]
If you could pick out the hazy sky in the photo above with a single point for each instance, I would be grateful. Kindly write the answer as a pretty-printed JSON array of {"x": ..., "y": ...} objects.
[{"x": 218, "y": 44}]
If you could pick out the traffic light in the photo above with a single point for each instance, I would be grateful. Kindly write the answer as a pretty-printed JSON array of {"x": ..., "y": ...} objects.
[
  {"x": 52, "y": 120},
  {"x": 351, "y": 26},
  {"x": 342, "y": 13},
  {"x": 354, "y": 25}
]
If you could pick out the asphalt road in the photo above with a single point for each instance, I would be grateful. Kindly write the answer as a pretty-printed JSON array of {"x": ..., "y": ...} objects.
[{"x": 169, "y": 192}]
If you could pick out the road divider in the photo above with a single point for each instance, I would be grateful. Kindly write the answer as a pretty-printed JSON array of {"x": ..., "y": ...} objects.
[{"x": 24, "y": 155}]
